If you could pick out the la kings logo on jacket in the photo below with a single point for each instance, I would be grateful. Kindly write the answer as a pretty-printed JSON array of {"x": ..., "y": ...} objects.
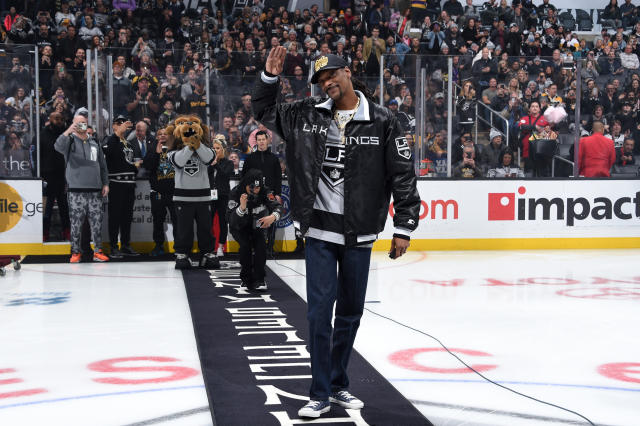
[
  {"x": 192, "y": 167},
  {"x": 404, "y": 150}
]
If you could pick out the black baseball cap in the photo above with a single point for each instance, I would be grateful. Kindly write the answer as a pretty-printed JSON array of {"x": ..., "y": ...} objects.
[
  {"x": 121, "y": 119},
  {"x": 327, "y": 62},
  {"x": 253, "y": 177}
]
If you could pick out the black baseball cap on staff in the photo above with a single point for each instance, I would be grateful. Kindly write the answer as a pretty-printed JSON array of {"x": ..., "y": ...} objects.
[{"x": 327, "y": 62}]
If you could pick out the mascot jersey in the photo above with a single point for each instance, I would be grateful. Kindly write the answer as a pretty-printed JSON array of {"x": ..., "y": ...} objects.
[
  {"x": 190, "y": 160},
  {"x": 191, "y": 179}
]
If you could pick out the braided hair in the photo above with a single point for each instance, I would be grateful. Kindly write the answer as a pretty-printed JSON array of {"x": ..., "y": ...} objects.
[{"x": 360, "y": 86}]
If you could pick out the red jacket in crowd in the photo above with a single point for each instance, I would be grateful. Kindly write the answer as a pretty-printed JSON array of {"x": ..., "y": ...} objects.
[{"x": 596, "y": 156}]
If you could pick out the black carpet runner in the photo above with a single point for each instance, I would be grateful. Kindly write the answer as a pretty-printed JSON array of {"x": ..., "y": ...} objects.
[{"x": 255, "y": 362}]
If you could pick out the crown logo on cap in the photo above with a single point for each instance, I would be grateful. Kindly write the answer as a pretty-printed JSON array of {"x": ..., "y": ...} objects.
[{"x": 321, "y": 62}]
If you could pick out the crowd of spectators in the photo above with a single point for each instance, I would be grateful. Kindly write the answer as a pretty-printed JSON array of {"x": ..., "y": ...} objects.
[{"x": 506, "y": 55}]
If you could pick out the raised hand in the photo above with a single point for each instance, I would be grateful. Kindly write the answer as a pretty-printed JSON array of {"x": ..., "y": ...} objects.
[{"x": 275, "y": 60}]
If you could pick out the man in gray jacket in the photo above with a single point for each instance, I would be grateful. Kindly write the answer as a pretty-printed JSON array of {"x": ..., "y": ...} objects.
[{"x": 88, "y": 183}]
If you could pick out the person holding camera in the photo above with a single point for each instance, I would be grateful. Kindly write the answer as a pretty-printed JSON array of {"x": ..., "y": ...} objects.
[
  {"x": 468, "y": 167},
  {"x": 123, "y": 167},
  {"x": 87, "y": 182},
  {"x": 252, "y": 208},
  {"x": 161, "y": 180}
]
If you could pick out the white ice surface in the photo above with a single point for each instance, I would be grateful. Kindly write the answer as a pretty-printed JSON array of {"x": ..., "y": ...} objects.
[{"x": 547, "y": 330}]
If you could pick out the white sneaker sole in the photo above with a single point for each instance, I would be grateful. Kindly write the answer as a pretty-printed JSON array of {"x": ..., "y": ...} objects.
[
  {"x": 313, "y": 413},
  {"x": 349, "y": 405}
]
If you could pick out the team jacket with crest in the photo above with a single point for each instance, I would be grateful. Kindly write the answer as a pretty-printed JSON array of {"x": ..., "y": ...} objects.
[
  {"x": 119, "y": 157},
  {"x": 376, "y": 158},
  {"x": 264, "y": 204},
  {"x": 191, "y": 178}
]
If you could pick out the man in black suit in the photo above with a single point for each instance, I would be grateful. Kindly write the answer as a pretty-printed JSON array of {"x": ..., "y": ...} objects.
[{"x": 141, "y": 143}]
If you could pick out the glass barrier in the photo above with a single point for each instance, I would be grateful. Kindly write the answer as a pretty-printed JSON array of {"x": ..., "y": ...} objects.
[
  {"x": 486, "y": 104},
  {"x": 18, "y": 112},
  {"x": 464, "y": 131}
]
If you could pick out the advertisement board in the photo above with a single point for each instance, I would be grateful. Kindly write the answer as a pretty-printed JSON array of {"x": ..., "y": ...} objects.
[
  {"x": 454, "y": 215},
  {"x": 20, "y": 213},
  {"x": 520, "y": 210}
]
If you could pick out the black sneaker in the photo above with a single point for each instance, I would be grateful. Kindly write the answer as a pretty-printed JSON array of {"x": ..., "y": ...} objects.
[
  {"x": 210, "y": 261},
  {"x": 158, "y": 250},
  {"x": 248, "y": 284},
  {"x": 116, "y": 254},
  {"x": 260, "y": 285},
  {"x": 128, "y": 251},
  {"x": 182, "y": 261}
]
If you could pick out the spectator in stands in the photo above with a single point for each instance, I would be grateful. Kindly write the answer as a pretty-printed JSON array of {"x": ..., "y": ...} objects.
[
  {"x": 493, "y": 151},
  {"x": 143, "y": 104},
  {"x": 62, "y": 79},
  {"x": 628, "y": 59},
  {"x": 590, "y": 70},
  {"x": 52, "y": 168},
  {"x": 15, "y": 160},
  {"x": 467, "y": 167},
  {"x": 543, "y": 144},
  {"x": 484, "y": 68},
  {"x": 506, "y": 167},
  {"x": 196, "y": 102},
  {"x": 629, "y": 14},
  {"x": 466, "y": 105},
  {"x": 616, "y": 134},
  {"x": 626, "y": 116},
  {"x": 611, "y": 17},
  {"x": 596, "y": 153},
  {"x": 122, "y": 90},
  {"x": 610, "y": 64},
  {"x": 437, "y": 154},
  {"x": 466, "y": 140},
  {"x": 527, "y": 126},
  {"x": 626, "y": 162},
  {"x": 88, "y": 30}
]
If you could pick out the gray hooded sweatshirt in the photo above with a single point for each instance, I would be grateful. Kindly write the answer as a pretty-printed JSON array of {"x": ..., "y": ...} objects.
[{"x": 86, "y": 167}]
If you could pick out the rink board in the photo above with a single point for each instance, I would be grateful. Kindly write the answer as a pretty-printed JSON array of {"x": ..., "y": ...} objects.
[{"x": 454, "y": 215}]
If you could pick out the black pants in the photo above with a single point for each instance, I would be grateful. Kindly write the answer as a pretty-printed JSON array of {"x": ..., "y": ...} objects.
[
  {"x": 220, "y": 206},
  {"x": 121, "y": 199},
  {"x": 186, "y": 213},
  {"x": 252, "y": 265},
  {"x": 55, "y": 191},
  {"x": 160, "y": 203}
]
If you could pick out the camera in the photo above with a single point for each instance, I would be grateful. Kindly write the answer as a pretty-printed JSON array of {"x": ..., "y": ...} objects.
[
  {"x": 164, "y": 149},
  {"x": 82, "y": 126}
]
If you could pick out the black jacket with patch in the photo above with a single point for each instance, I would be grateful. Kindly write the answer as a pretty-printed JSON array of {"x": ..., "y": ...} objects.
[{"x": 378, "y": 162}]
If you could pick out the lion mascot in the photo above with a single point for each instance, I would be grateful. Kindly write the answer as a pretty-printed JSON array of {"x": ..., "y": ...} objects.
[{"x": 192, "y": 195}]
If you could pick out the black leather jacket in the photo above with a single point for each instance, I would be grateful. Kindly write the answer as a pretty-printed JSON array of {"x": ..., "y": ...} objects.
[{"x": 377, "y": 162}]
